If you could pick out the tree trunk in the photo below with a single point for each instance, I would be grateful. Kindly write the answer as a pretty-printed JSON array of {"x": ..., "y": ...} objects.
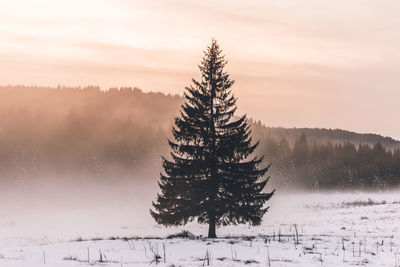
[{"x": 211, "y": 228}]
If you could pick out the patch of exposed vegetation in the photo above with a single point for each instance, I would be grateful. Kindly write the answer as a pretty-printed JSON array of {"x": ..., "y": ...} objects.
[{"x": 182, "y": 234}]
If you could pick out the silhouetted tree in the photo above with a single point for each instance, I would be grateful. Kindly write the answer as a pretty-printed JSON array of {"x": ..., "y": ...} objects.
[{"x": 210, "y": 177}]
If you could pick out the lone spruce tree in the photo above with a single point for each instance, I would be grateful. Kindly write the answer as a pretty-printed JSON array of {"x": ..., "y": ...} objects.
[{"x": 210, "y": 176}]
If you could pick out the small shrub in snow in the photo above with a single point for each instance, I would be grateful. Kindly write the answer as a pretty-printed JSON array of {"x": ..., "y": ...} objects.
[
  {"x": 362, "y": 203},
  {"x": 79, "y": 239},
  {"x": 250, "y": 261},
  {"x": 70, "y": 258},
  {"x": 183, "y": 234}
]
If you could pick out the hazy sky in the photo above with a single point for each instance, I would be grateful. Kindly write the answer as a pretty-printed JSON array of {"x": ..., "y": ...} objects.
[{"x": 318, "y": 63}]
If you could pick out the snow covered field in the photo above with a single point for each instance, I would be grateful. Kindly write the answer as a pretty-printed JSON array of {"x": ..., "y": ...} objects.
[{"x": 343, "y": 229}]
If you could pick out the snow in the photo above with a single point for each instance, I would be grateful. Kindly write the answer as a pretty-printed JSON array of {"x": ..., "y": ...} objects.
[{"x": 366, "y": 224}]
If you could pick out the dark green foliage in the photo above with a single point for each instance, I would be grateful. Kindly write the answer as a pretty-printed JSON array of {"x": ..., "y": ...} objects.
[
  {"x": 210, "y": 177},
  {"x": 345, "y": 165}
]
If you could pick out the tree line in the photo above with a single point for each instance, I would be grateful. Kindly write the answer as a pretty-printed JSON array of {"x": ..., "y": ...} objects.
[
  {"x": 319, "y": 166},
  {"x": 96, "y": 134}
]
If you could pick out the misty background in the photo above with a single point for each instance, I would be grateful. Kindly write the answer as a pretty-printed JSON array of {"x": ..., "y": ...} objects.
[
  {"x": 61, "y": 141},
  {"x": 87, "y": 161}
]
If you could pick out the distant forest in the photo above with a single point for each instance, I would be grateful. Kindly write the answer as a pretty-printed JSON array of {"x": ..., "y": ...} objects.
[{"x": 87, "y": 134}]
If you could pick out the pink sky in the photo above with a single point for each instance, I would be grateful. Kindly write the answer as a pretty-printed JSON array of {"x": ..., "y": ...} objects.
[{"x": 330, "y": 64}]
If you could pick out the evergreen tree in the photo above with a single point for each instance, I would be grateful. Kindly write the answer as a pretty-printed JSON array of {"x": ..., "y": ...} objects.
[
  {"x": 210, "y": 177},
  {"x": 300, "y": 160}
]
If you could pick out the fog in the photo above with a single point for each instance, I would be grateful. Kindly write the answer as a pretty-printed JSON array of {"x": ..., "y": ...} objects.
[
  {"x": 84, "y": 163},
  {"x": 70, "y": 158},
  {"x": 63, "y": 212},
  {"x": 66, "y": 211},
  {"x": 80, "y": 163}
]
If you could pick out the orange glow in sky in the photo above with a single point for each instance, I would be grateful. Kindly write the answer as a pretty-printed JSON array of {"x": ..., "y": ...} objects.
[{"x": 314, "y": 63}]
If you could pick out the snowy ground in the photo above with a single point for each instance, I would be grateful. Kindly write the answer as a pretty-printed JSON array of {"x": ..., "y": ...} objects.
[{"x": 332, "y": 230}]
